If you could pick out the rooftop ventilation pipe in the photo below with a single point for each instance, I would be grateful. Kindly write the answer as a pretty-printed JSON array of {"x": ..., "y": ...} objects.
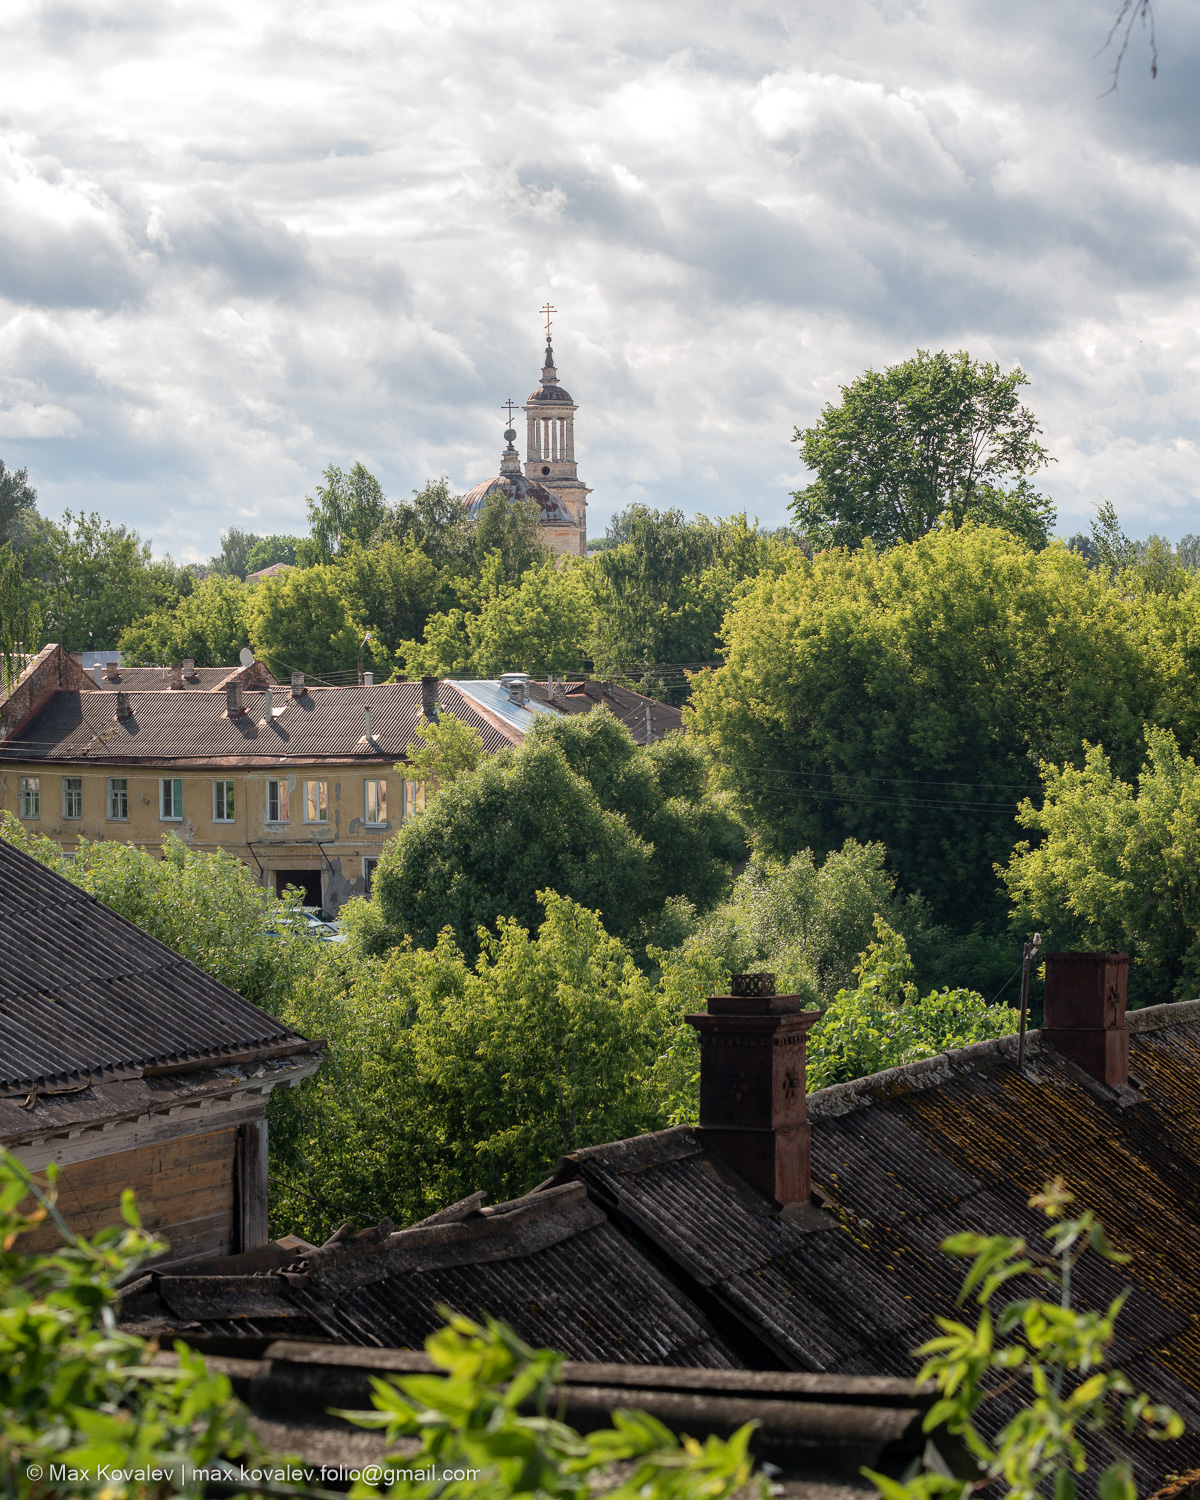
[
  {"x": 235, "y": 704},
  {"x": 429, "y": 698},
  {"x": 752, "y": 1101},
  {"x": 123, "y": 709},
  {"x": 98, "y": 673},
  {"x": 1085, "y": 1012}
]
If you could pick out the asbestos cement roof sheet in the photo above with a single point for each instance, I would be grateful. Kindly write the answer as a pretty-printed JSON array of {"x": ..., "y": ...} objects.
[{"x": 87, "y": 996}]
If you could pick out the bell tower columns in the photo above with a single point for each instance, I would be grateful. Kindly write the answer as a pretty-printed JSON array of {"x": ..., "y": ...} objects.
[{"x": 550, "y": 444}]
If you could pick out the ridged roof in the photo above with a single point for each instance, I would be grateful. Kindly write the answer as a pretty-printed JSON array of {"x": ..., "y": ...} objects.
[
  {"x": 87, "y": 996},
  {"x": 517, "y": 487},
  {"x": 547, "y": 395},
  {"x": 324, "y": 723}
]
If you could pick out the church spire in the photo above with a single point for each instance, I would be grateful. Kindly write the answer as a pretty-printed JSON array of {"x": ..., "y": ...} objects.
[{"x": 550, "y": 453}]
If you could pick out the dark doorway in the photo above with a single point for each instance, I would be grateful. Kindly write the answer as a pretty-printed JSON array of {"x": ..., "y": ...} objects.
[{"x": 306, "y": 881}]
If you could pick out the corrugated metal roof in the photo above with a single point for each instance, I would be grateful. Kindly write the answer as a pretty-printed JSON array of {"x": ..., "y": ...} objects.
[
  {"x": 489, "y": 694},
  {"x": 165, "y": 726},
  {"x": 84, "y": 993},
  {"x": 622, "y": 702}
]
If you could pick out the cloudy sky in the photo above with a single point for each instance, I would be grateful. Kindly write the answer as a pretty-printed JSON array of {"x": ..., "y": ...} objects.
[{"x": 239, "y": 242}]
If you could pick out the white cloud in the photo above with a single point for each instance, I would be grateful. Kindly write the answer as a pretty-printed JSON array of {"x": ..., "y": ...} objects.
[{"x": 240, "y": 243}]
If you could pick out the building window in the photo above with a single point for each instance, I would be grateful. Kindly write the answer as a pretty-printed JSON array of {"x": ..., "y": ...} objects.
[
  {"x": 72, "y": 790},
  {"x": 277, "y": 801},
  {"x": 414, "y": 800},
  {"x": 375, "y": 798},
  {"x": 316, "y": 802},
  {"x": 118, "y": 799},
  {"x": 31, "y": 796},
  {"x": 369, "y": 863},
  {"x": 222, "y": 801},
  {"x": 170, "y": 798}
]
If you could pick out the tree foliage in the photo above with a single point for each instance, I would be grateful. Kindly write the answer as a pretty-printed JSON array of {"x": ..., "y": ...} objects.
[
  {"x": 18, "y": 499},
  {"x": 301, "y": 621},
  {"x": 348, "y": 508},
  {"x": 1117, "y": 865},
  {"x": 937, "y": 437},
  {"x": 906, "y": 697},
  {"x": 449, "y": 749},
  {"x": 208, "y": 627}
]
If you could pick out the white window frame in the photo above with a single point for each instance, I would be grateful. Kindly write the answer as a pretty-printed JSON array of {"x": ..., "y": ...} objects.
[
  {"x": 29, "y": 796},
  {"x": 224, "y": 797},
  {"x": 72, "y": 787},
  {"x": 322, "y": 802},
  {"x": 381, "y": 797},
  {"x": 117, "y": 796},
  {"x": 170, "y": 794},
  {"x": 282, "y": 801}
]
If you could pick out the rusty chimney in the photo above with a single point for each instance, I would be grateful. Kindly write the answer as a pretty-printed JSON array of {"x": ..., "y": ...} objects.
[
  {"x": 298, "y": 688},
  {"x": 112, "y": 671},
  {"x": 429, "y": 698},
  {"x": 235, "y": 704},
  {"x": 752, "y": 1095},
  {"x": 1085, "y": 1011},
  {"x": 123, "y": 709}
]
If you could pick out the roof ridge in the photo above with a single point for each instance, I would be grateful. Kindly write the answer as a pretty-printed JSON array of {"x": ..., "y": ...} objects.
[{"x": 915, "y": 1077}]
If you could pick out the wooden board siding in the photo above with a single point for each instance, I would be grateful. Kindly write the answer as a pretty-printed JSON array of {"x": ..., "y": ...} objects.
[{"x": 184, "y": 1189}]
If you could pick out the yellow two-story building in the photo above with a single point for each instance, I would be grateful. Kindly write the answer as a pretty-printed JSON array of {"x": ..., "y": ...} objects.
[{"x": 299, "y": 782}]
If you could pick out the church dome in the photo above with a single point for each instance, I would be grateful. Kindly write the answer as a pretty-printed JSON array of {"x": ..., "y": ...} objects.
[
  {"x": 547, "y": 393},
  {"x": 517, "y": 487}
]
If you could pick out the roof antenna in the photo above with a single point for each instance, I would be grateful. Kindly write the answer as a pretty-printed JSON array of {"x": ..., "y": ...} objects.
[{"x": 1029, "y": 955}]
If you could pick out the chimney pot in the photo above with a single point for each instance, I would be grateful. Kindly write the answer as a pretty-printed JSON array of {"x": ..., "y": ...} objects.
[
  {"x": 429, "y": 698},
  {"x": 1085, "y": 1011},
  {"x": 98, "y": 673},
  {"x": 298, "y": 688},
  {"x": 369, "y": 679},
  {"x": 752, "y": 1085},
  {"x": 123, "y": 709},
  {"x": 112, "y": 671},
  {"x": 234, "y": 703}
]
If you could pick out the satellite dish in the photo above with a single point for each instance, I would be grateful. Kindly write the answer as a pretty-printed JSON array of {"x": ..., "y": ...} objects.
[{"x": 246, "y": 656}]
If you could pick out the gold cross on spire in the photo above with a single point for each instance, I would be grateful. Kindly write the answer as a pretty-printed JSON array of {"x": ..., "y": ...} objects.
[{"x": 548, "y": 310}]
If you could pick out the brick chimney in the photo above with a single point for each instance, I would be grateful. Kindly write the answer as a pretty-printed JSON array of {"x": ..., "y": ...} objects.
[
  {"x": 298, "y": 688},
  {"x": 235, "y": 704},
  {"x": 429, "y": 698},
  {"x": 177, "y": 677},
  {"x": 752, "y": 1087},
  {"x": 124, "y": 711},
  {"x": 189, "y": 668},
  {"x": 1085, "y": 1011},
  {"x": 112, "y": 671}
]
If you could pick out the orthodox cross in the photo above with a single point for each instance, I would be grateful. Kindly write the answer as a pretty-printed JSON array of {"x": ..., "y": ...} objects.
[
  {"x": 548, "y": 310},
  {"x": 509, "y": 406}
]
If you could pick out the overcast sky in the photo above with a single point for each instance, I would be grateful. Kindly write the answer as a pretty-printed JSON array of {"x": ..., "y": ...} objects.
[{"x": 239, "y": 242}]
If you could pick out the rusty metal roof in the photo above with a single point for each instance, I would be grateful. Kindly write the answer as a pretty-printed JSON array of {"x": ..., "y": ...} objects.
[
  {"x": 165, "y": 727},
  {"x": 87, "y": 997},
  {"x": 626, "y": 705}
]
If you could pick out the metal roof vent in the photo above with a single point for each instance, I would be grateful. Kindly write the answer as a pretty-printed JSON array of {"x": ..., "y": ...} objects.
[{"x": 516, "y": 685}]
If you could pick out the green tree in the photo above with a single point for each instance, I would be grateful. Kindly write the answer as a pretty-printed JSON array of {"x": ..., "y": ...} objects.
[
  {"x": 450, "y": 748},
  {"x": 393, "y": 588},
  {"x": 348, "y": 508},
  {"x": 233, "y": 560},
  {"x": 209, "y": 627},
  {"x": 520, "y": 823},
  {"x": 904, "y": 697},
  {"x": 20, "y": 619},
  {"x": 18, "y": 499},
  {"x": 514, "y": 531},
  {"x": 301, "y": 622},
  {"x": 434, "y": 520},
  {"x": 446, "y": 1077},
  {"x": 1116, "y": 865},
  {"x": 267, "y": 550},
  {"x": 661, "y": 592},
  {"x": 539, "y": 625},
  {"x": 937, "y": 437}
]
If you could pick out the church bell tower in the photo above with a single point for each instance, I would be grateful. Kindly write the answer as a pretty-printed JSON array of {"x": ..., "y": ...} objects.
[{"x": 550, "y": 423}]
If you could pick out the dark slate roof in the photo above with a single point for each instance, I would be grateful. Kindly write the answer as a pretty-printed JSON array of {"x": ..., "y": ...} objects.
[
  {"x": 547, "y": 395},
  {"x": 550, "y": 1263},
  {"x": 325, "y": 723},
  {"x": 852, "y": 1284},
  {"x": 623, "y": 703},
  {"x": 87, "y": 997},
  {"x": 517, "y": 487}
]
